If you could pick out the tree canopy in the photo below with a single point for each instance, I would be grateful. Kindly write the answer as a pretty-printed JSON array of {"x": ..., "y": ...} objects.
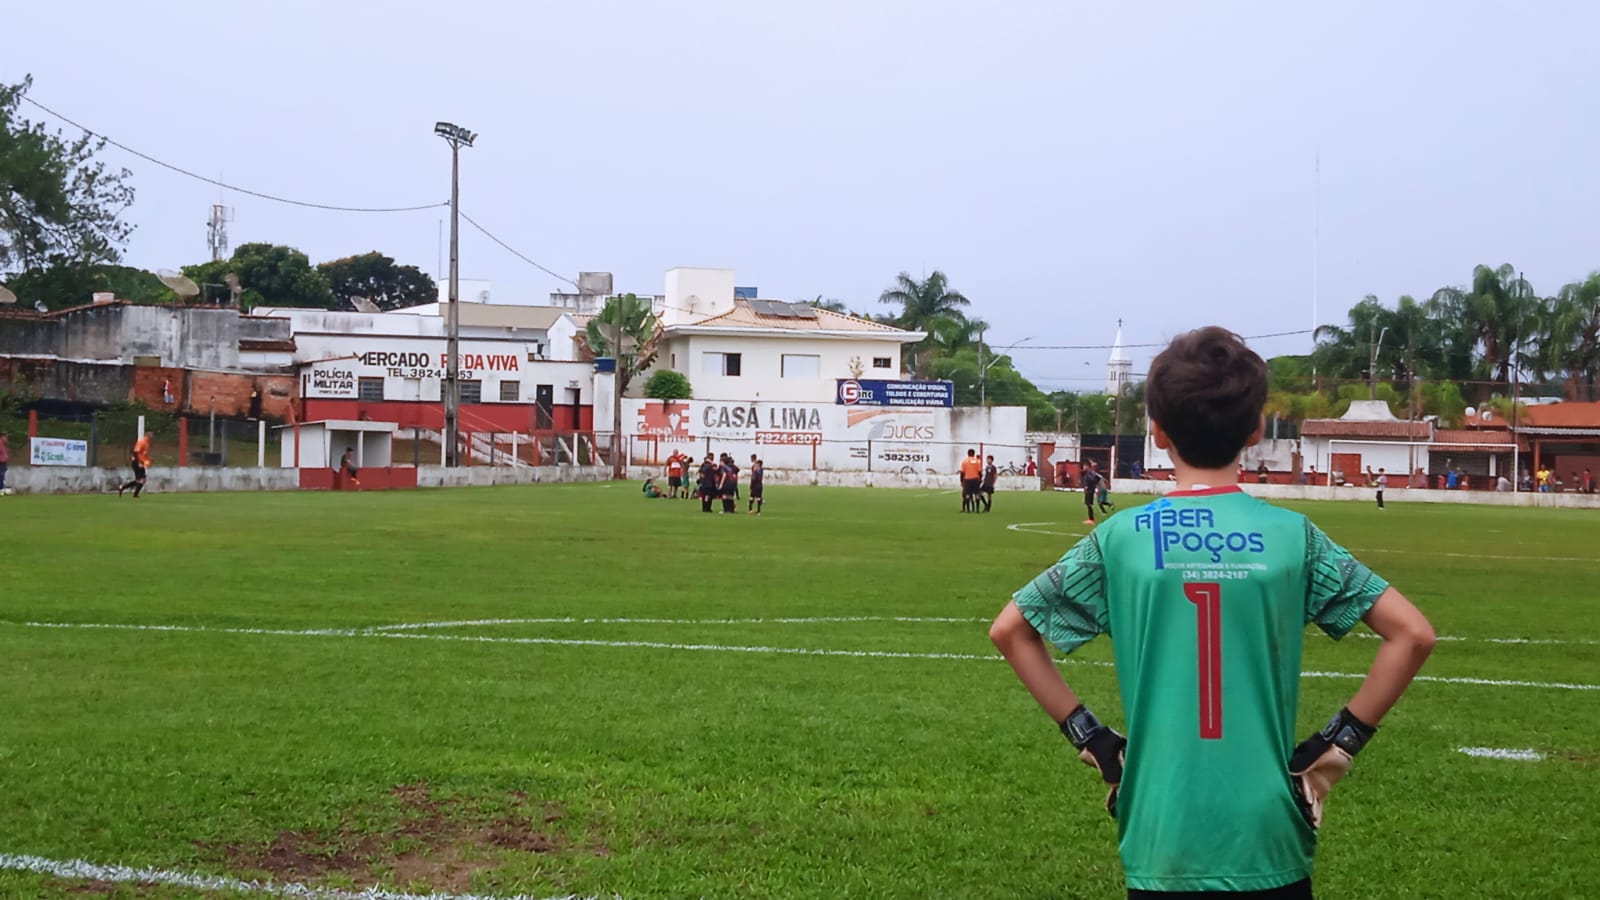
[
  {"x": 269, "y": 275},
  {"x": 377, "y": 278},
  {"x": 60, "y": 206}
]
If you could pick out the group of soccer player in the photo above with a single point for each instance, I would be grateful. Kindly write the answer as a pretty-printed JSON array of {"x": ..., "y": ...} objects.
[
  {"x": 978, "y": 477},
  {"x": 717, "y": 478}
]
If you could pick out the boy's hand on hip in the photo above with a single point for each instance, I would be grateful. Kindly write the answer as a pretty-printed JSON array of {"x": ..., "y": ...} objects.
[
  {"x": 1324, "y": 758},
  {"x": 1099, "y": 746}
]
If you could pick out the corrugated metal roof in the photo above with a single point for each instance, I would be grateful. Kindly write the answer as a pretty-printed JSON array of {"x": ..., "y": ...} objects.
[{"x": 1559, "y": 432}]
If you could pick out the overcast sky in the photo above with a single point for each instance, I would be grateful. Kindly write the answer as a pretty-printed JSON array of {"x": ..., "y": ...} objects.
[{"x": 1066, "y": 164}]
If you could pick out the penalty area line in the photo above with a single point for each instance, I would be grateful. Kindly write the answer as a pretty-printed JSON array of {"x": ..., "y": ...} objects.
[
  {"x": 89, "y": 871},
  {"x": 730, "y": 648},
  {"x": 625, "y": 620}
]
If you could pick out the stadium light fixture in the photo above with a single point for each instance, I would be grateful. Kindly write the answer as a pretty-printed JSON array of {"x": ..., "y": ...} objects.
[{"x": 457, "y": 137}]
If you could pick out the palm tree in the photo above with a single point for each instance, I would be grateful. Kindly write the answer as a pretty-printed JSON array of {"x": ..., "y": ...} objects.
[
  {"x": 1496, "y": 316},
  {"x": 923, "y": 301},
  {"x": 640, "y": 335},
  {"x": 947, "y": 334},
  {"x": 1571, "y": 343}
]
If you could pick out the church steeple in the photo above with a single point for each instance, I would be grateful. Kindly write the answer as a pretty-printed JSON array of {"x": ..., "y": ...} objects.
[{"x": 1119, "y": 368}]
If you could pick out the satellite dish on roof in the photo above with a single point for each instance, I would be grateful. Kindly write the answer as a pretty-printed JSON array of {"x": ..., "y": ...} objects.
[
  {"x": 1488, "y": 415},
  {"x": 6, "y": 296},
  {"x": 39, "y": 305},
  {"x": 1472, "y": 412},
  {"x": 179, "y": 283},
  {"x": 362, "y": 304}
]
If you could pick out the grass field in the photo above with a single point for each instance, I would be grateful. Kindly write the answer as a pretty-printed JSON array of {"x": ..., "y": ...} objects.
[{"x": 799, "y": 705}]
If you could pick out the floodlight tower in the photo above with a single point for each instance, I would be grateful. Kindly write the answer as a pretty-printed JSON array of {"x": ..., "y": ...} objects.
[{"x": 457, "y": 137}]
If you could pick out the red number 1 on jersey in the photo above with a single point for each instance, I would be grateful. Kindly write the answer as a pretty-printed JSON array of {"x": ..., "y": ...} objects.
[{"x": 1207, "y": 600}]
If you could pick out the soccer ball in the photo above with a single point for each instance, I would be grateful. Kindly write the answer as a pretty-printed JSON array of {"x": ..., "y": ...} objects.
[{"x": 6, "y": 492}]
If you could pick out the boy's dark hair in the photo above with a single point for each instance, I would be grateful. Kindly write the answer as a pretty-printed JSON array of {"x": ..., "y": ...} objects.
[{"x": 1206, "y": 391}]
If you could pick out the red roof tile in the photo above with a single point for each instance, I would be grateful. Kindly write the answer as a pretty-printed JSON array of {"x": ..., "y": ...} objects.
[
  {"x": 1560, "y": 415},
  {"x": 1417, "y": 431}
]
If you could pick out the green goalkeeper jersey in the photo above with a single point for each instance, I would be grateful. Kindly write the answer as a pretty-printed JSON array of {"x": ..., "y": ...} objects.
[{"x": 1205, "y": 595}]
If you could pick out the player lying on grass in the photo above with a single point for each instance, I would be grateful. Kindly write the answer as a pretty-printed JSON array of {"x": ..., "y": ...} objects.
[{"x": 1205, "y": 594}]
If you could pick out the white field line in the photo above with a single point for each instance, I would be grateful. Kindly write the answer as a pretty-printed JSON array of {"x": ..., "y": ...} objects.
[
  {"x": 1035, "y": 528},
  {"x": 571, "y": 620},
  {"x": 727, "y": 648},
  {"x": 808, "y": 620},
  {"x": 82, "y": 869},
  {"x": 1501, "y": 753}
]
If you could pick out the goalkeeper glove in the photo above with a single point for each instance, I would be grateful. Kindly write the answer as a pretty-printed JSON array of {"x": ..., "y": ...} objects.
[
  {"x": 1099, "y": 746},
  {"x": 1324, "y": 758}
]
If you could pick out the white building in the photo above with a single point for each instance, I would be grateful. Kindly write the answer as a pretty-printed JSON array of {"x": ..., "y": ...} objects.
[
  {"x": 738, "y": 349},
  {"x": 1367, "y": 436}
]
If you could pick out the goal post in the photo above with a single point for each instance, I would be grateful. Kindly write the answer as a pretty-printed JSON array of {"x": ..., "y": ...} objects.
[{"x": 1492, "y": 449}]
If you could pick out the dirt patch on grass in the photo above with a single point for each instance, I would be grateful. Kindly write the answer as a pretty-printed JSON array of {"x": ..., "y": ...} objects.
[{"x": 439, "y": 843}]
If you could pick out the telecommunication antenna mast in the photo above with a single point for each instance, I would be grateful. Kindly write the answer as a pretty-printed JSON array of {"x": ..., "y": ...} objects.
[{"x": 217, "y": 231}]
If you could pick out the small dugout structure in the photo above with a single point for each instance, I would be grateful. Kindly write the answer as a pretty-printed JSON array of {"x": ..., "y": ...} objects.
[{"x": 315, "y": 448}]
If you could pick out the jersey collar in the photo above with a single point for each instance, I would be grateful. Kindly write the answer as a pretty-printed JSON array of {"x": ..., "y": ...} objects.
[{"x": 1206, "y": 491}]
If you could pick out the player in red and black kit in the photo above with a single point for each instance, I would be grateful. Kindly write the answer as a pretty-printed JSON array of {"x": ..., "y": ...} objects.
[
  {"x": 1091, "y": 486},
  {"x": 986, "y": 491},
  {"x": 758, "y": 470},
  {"x": 708, "y": 482},
  {"x": 675, "y": 466},
  {"x": 728, "y": 484}
]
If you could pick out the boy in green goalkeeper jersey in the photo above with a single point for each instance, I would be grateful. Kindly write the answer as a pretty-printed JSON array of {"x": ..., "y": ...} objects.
[{"x": 1205, "y": 594}]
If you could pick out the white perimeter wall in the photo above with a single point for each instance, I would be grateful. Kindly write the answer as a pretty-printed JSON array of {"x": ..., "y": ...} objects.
[{"x": 797, "y": 435}]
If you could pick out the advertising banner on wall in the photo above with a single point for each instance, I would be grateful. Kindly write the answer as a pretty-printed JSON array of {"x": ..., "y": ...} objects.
[
  {"x": 44, "y": 451},
  {"x": 859, "y": 392}
]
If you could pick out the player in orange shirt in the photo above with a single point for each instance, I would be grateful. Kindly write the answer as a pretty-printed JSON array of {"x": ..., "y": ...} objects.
[
  {"x": 971, "y": 479},
  {"x": 140, "y": 457}
]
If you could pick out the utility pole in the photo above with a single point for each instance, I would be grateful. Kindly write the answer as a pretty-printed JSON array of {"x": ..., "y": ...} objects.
[
  {"x": 457, "y": 137},
  {"x": 983, "y": 371},
  {"x": 616, "y": 390}
]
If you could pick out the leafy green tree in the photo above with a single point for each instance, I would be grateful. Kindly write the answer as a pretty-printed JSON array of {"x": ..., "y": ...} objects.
[
  {"x": 666, "y": 384},
  {"x": 923, "y": 301},
  {"x": 269, "y": 275},
  {"x": 58, "y": 206},
  {"x": 640, "y": 335},
  {"x": 1570, "y": 344},
  {"x": 68, "y": 283},
  {"x": 1497, "y": 315},
  {"x": 375, "y": 277}
]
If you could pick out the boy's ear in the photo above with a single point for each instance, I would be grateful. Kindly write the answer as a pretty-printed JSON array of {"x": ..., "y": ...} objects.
[
  {"x": 1255, "y": 436},
  {"x": 1159, "y": 435}
]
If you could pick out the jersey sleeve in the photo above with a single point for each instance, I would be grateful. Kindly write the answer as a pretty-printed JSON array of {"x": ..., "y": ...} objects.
[
  {"x": 1339, "y": 588},
  {"x": 1066, "y": 603}
]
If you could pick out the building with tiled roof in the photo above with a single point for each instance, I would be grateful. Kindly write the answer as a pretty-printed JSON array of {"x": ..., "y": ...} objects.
[{"x": 734, "y": 345}]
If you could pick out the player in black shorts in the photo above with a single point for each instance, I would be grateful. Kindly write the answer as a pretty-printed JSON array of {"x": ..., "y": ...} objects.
[
  {"x": 728, "y": 484},
  {"x": 757, "y": 472},
  {"x": 1091, "y": 486},
  {"x": 708, "y": 482},
  {"x": 990, "y": 474}
]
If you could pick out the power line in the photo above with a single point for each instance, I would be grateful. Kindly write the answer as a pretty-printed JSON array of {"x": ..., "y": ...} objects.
[
  {"x": 1252, "y": 337},
  {"x": 515, "y": 252},
  {"x": 212, "y": 181}
]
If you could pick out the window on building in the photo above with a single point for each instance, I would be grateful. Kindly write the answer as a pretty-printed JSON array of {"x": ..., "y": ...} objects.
[
  {"x": 510, "y": 391},
  {"x": 721, "y": 364},
  {"x": 883, "y": 362},
  {"x": 471, "y": 392},
  {"x": 802, "y": 365},
  {"x": 369, "y": 389}
]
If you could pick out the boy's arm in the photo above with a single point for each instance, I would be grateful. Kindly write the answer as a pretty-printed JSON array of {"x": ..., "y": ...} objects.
[
  {"x": 1028, "y": 656},
  {"x": 1098, "y": 745},
  {"x": 1320, "y": 761},
  {"x": 1408, "y": 638}
]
